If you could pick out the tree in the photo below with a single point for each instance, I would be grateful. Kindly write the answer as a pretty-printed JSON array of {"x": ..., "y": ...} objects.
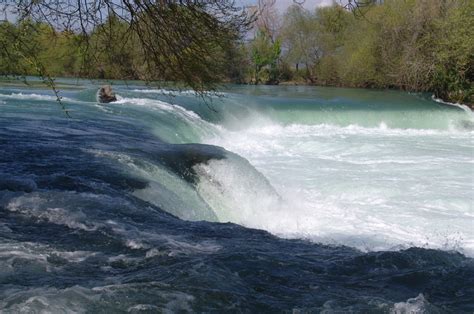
[
  {"x": 265, "y": 53},
  {"x": 331, "y": 24},
  {"x": 179, "y": 40},
  {"x": 268, "y": 19},
  {"x": 300, "y": 40},
  {"x": 454, "y": 54}
]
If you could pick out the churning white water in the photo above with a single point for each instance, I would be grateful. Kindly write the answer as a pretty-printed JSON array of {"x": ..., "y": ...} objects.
[
  {"x": 381, "y": 171},
  {"x": 82, "y": 201},
  {"x": 371, "y": 188}
]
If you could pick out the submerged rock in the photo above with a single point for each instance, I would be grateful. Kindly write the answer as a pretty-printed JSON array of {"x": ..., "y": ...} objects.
[{"x": 106, "y": 95}]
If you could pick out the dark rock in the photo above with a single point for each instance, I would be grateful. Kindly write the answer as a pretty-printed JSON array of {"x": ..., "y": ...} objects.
[{"x": 106, "y": 95}]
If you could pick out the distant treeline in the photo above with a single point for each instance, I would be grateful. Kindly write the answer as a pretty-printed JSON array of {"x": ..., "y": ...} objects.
[
  {"x": 415, "y": 45},
  {"x": 424, "y": 45}
]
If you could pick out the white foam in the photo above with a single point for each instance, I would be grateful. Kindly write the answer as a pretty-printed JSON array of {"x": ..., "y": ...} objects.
[
  {"x": 156, "y": 104},
  {"x": 462, "y": 106},
  {"x": 178, "y": 92},
  {"x": 47, "y": 300},
  {"x": 139, "y": 308},
  {"x": 32, "y": 96},
  {"x": 133, "y": 244},
  {"x": 151, "y": 103},
  {"x": 370, "y": 188},
  {"x": 11, "y": 252},
  {"x": 34, "y": 206},
  {"x": 417, "y": 305},
  {"x": 165, "y": 301},
  {"x": 14, "y": 254}
]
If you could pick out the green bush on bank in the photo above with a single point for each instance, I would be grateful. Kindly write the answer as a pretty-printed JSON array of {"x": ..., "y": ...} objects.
[{"x": 403, "y": 44}]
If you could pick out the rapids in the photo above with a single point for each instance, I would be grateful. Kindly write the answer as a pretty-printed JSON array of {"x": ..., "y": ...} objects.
[{"x": 251, "y": 199}]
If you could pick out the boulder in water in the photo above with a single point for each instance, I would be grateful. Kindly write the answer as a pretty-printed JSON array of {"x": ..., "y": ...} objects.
[{"x": 106, "y": 95}]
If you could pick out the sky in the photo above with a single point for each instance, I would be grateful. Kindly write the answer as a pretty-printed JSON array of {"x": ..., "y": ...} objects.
[{"x": 282, "y": 5}]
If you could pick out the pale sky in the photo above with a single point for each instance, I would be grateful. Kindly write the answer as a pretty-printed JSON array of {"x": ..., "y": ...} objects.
[{"x": 282, "y": 5}]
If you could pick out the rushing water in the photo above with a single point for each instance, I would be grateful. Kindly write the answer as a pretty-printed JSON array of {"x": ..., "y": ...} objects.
[{"x": 261, "y": 199}]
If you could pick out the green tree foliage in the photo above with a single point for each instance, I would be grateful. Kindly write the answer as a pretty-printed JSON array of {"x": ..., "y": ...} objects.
[
  {"x": 300, "y": 40},
  {"x": 34, "y": 48},
  {"x": 238, "y": 64},
  {"x": 415, "y": 45},
  {"x": 454, "y": 54},
  {"x": 113, "y": 52},
  {"x": 265, "y": 53},
  {"x": 411, "y": 45},
  {"x": 9, "y": 56},
  {"x": 184, "y": 41}
]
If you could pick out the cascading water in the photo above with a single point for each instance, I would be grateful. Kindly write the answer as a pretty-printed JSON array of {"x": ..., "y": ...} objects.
[
  {"x": 383, "y": 178},
  {"x": 355, "y": 171}
]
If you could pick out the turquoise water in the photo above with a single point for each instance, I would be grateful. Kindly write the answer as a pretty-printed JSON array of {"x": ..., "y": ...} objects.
[
  {"x": 253, "y": 199},
  {"x": 370, "y": 169}
]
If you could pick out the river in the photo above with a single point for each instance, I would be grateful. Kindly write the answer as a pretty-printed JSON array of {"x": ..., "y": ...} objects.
[{"x": 257, "y": 198}]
